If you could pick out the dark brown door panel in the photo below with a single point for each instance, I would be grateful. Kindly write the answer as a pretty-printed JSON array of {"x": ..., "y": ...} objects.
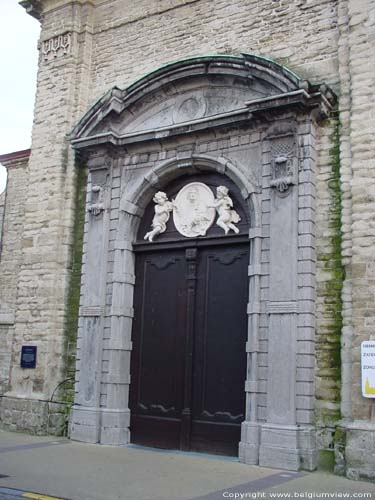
[{"x": 189, "y": 359}]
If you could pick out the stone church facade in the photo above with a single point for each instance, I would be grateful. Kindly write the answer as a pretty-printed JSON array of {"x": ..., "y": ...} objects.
[{"x": 236, "y": 339}]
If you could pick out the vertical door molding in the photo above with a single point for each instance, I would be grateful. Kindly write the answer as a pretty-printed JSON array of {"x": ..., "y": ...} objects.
[
  {"x": 86, "y": 418},
  {"x": 116, "y": 414},
  {"x": 249, "y": 445},
  {"x": 191, "y": 284}
]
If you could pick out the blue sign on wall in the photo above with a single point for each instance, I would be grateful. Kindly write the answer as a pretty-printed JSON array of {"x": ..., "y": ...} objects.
[{"x": 28, "y": 356}]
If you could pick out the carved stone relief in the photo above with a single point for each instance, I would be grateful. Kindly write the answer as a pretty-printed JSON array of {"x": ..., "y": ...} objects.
[
  {"x": 189, "y": 108},
  {"x": 227, "y": 217},
  {"x": 284, "y": 163},
  {"x": 162, "y": 209},
  {"x": 58, "y": 45},
  {"x": 96, "y": 206},
  {"x": 194, "y": 212},
  {"x": 98, "y": 182}
]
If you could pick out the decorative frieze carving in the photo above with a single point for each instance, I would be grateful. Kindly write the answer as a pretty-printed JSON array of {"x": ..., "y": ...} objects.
[
  {"x": 284, "y": 163},
  {"x": 58, "y": 45}
]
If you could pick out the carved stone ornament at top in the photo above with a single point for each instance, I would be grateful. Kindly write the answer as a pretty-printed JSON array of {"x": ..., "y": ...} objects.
[
  {"x": 284, "y": 168},
  {"x": 227, "y": 217},
  {"x": 58, "y": 45},
  {"x": 193, "y": 210},
  {"x": 96, "y": 206},
  {"x": 163, "y": 208}
]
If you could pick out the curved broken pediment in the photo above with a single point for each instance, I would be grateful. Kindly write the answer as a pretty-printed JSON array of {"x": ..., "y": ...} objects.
[{"x": 195, "y": 91}]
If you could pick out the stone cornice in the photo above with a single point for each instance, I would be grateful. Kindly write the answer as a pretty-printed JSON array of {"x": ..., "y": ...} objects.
[
  {"x": 15, "y": 158},
  {"x": 32, "y": 7},
  {"x": 299, "y": 100},
  {"x": 36, "y": 8}
]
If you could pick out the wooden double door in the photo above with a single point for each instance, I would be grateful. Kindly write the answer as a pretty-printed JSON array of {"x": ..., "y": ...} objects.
[{"x": 188, "y": 365}]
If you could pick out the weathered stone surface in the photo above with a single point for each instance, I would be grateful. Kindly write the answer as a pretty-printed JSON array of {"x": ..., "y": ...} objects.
[{"x": 2, "y": 206}]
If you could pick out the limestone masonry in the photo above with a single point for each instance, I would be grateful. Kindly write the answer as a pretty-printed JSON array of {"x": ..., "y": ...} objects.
[{"x": 275, "y": 97}]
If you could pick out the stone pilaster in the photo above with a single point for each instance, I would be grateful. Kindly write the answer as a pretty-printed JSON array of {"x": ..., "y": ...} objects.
[
  {"x": 86, "y": 417},
  {"x": 280, "y": 435}
]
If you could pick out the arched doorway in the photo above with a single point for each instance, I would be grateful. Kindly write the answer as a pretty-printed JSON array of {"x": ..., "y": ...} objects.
[{"x": 188, "y": 365}]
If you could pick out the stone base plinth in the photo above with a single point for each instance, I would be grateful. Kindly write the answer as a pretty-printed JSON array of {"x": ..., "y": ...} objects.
[
  {"x": 85, "y": 424},
  {"x": 100, "y": 425},
  {"x": 287, "y": 447},
  {"x": 355, "y": 454},
  {"x": 115, "y": 427},
  {"x": 249, "y": 445}
]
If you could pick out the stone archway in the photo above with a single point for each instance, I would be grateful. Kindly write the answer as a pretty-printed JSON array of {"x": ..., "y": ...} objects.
[{"x": 244, "y": 117}]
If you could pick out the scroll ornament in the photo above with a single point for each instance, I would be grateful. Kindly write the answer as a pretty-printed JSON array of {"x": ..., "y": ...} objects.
[{"x": 194, "y": 211}]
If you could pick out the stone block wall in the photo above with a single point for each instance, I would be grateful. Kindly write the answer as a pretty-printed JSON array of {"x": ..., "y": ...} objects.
[
  {"x": 132, "y": 40},
  {"x": 48, "y": 225},
  {"x": 115, "y": 43},
  {"x": 3, "y": 328},
  {"x": 356, "y": 23},
  {"x": 11, "y": 254},
  {"x": 2, "y": 204}
]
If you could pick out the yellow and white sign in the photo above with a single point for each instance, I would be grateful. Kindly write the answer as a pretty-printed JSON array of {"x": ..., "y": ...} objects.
[{"x": 368, "y": 368}]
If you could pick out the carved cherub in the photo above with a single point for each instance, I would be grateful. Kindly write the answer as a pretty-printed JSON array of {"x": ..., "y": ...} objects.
[
  {"x": 163, "y": 208},
  {"x": 224, "y": 204}
]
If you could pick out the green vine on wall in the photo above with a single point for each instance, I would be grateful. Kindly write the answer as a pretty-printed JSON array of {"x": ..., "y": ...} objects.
[
  {"x": 328, "y": 347},
  {"x": 72, "y": 308},
  {"x": 329, "y": 334}
]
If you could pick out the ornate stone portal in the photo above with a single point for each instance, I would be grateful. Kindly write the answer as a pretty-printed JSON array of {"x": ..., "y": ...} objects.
[{"x": 266, "y": 114}]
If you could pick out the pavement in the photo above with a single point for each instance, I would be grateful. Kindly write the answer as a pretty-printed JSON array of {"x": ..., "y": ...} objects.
[{"x": 44, "y": 468}]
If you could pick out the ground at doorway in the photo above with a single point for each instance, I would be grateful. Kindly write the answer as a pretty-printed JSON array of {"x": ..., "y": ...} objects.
[{"x": 77, "y": 471}]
